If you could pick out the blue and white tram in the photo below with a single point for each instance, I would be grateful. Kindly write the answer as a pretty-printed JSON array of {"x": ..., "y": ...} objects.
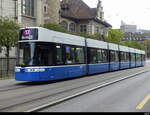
[
  {"x": 124, "y": 57},
  {"x": 132, "y": 58},
  {"x": 143, "y": 57},
  {"x": 97, "y": 52},
  {"x": 45, "y": 55},
  {"x": 48, "y": 55},
  {"x": 113, "y": 56},
  {"x": 138, "y": 58}
]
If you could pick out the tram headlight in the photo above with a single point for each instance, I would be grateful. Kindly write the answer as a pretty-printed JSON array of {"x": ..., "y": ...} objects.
[{"x": 17, "y": 70}]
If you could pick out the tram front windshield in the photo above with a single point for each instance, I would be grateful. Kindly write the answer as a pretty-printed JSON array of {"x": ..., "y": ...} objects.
[{"x": 34, "y": 54}]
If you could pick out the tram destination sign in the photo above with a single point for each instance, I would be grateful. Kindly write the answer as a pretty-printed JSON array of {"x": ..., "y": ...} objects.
[{"x": 29, "y": 34}]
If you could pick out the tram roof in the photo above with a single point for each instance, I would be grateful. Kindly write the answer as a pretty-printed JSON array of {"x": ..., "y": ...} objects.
[
  {"x": 113, "y": 47},
  {"x": 46, "y": 35},
  {"x": 124, "y": 48},
  {"x": 132, "y": 50},
  {"x": 58, "y": 37},
  {"x": 138, "y": 51},
  {"x": 143, "y": 52},
  {"x": 97, "y": 44}
]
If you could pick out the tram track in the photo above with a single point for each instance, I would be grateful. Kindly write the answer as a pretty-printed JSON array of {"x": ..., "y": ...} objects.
[
  {"x": 61, "y": 100},
  {"x": 9, "y": 89},
  {"x": 47, "y": 96},
  {"x": 25, "y": 101}
]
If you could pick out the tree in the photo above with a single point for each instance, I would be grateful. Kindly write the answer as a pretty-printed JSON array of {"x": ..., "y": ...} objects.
[
  {"x": 55, "y": 27},
  {"x": 147, "y": 47},
  {"x": 8, "y": 36},
  {"x": 114, "y": 36},
  {"x": 0, "y": 49}
]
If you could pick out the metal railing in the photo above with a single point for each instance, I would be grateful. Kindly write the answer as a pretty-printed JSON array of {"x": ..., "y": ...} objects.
[{"x": 6, "y": 73}]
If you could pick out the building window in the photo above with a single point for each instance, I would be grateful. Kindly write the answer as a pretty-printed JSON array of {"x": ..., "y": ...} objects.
[
  {"x": 64, "y": 24},
  {"x": 45, "y": 9},
  {"x": 72, "y": 27},
  {"x": 27, "y": 7},
  {"x": 97, "y": 29},
  {"x": 83, "y": 28}
]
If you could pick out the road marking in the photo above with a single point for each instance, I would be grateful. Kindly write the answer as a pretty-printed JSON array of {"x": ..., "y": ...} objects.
[{"x": 141, "y": 105}]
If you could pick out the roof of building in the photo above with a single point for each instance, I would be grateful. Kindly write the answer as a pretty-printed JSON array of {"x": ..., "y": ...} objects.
[
  {"x": 78, "y": 10},
  {"x": 133, "y": 36}
]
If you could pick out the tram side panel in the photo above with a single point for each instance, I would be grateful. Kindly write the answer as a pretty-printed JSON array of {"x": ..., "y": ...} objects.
[
  {"x": 70, "y": 63},
  {"x": 97, "y": 54},
  {"x": 27, "y": 74},
  {"x": 124, "y": 57},
  {"x": 138, "y": 60},
  {"x": 132, "y": 60},
  {"x": 113, "y": 57},
  {"x": 97, "y": 61},
  {"x": 114, "y": 60},
  {"x": 63, "y": 72},
  {"x": 143, "y": 58},
  {"x": 132, "y": 57},
  {"x": 124, "y": 60}
]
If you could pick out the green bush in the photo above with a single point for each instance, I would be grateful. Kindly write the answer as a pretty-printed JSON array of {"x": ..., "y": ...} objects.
[{"x": 55, "y": 27}]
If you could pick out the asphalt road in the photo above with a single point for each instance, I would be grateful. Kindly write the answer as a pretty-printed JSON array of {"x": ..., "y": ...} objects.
[
  {"x": 131, "y": 95},
  {"x": 123, "y": 96}
]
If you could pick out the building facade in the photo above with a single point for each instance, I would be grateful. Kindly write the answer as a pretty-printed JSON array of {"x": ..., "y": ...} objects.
[
  {"x": 77, "y": 16},
  {"x": 128, "y": 28},
  {"x": 51, "y": 11},
  {"x": 129, "y": 36},
  {"x": 8, "y": 9},
  {"x": 30, "y": 12}
]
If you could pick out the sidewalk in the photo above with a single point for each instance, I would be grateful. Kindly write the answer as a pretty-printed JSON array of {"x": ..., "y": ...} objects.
[
  {"x": 147, "y": 61},
  {"x": 7, "y": 82}
]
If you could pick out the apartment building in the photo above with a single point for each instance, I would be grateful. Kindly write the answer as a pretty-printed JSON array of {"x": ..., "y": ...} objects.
[{"x": 77, "y": 16}]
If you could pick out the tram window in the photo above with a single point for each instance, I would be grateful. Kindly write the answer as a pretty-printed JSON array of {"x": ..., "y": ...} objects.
[
  {"x": 59, "y": 59},
  {"x": 99, "y": 56},
  {"x": 70, "y": 55},
  {"x": 127, "y": 57},
  {"x": 25, "y": 55},
  {"x": 104, "y": 56},
  {"x": 124, "y": 56},
  {"x": 21, "y": 56},
  {"x": 138, "y": 57},
  {"x": 143, "y": 57},
  {"x": 114, "y": 56},
  {"x": 79, "y": 55},
  {"x": 93, "y": 56},
  {"x": 45, "y": 56},
  {"x": 35, "y": 54},
  {"x": 132, "y": 57}
]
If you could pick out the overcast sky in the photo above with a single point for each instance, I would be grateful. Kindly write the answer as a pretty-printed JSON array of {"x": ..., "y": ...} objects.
[{"x": 136, "y": 12}]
